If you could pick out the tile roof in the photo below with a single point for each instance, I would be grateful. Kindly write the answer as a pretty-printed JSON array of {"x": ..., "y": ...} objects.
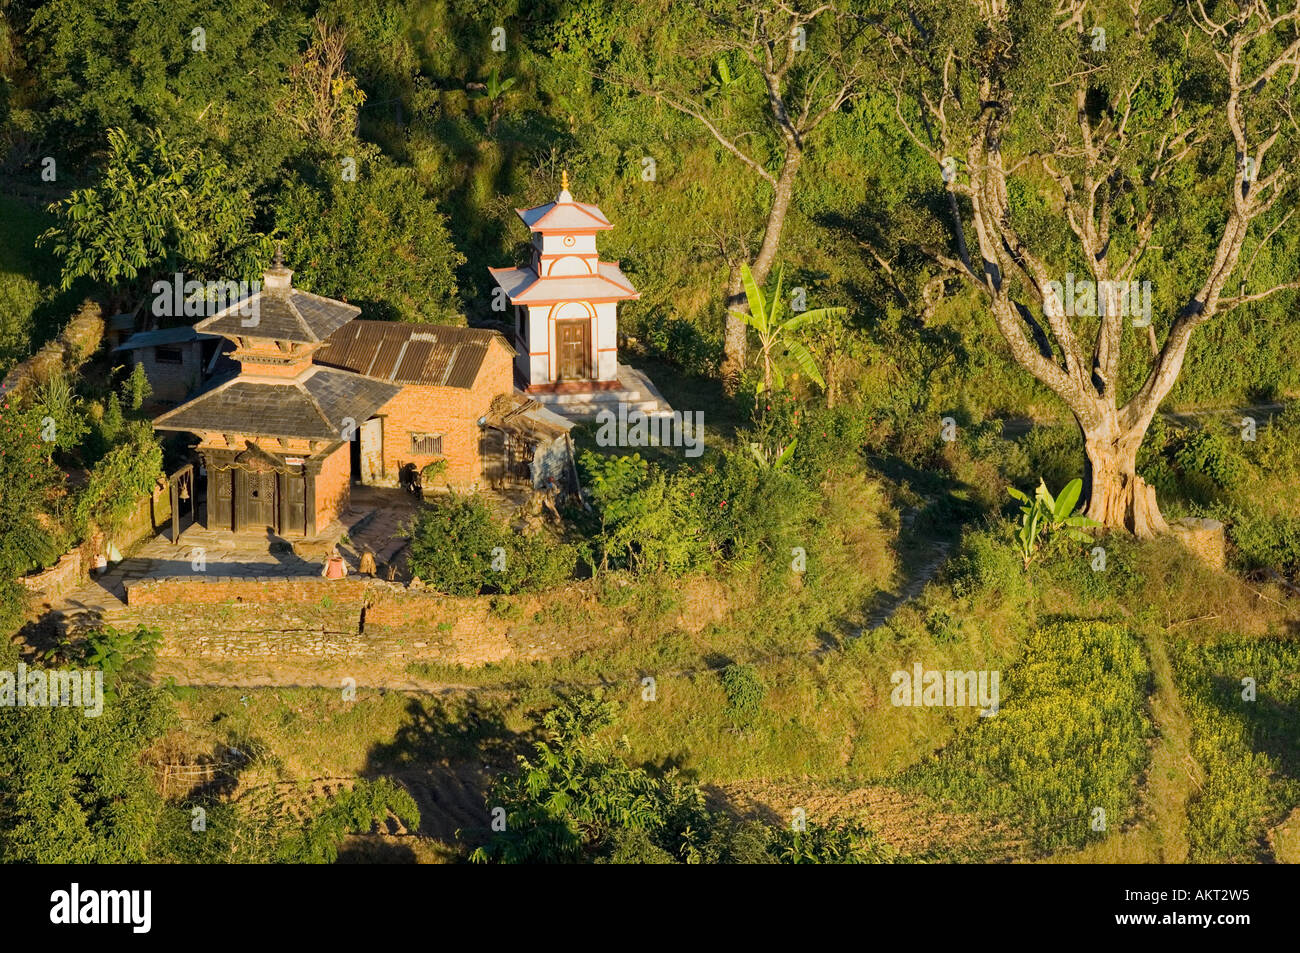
[
  {"x": 409, "y": 353},
  {"x": 312, "y": 406},
  {"x": 292, "y": 315},
  {"x": 523, "y": 286}
]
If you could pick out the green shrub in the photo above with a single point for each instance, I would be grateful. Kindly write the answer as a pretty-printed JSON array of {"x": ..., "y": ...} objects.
[
  {"x": 534, "y": 563},
  {"x": 353, "y": 811},
  {"x": 1210, "y": 454},
  {"x": 122, "y": 477},
  {"x": 459, "y": 547},
  {"x": 433, "y": 472},
  {"x": 1262, "y": 541},
  {"x": 681, "y": 344},
  {"x": 986, "y": 561},
  {"x": 577, "y": 799},
  {"x": 648, "y": 520},
  {"x": 452, "y": 542},
  {"x": 1074, "y": 571},
  {"x": 852, "y": 843},
  {"x": 745, "y": 691}
]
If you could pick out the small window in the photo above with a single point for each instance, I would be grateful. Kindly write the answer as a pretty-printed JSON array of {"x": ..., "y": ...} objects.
[
  {"x": 168, "y": 355},
  {"x": 426, "y": 444}
]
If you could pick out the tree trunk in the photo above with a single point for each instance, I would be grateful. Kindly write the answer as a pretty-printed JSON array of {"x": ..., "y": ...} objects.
[
  {"x": 734, "y": 341},
  {"x": 1117, "y": 497}
]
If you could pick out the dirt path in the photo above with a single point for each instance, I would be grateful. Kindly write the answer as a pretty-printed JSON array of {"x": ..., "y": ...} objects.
[{"x": 1262, "y": 412}]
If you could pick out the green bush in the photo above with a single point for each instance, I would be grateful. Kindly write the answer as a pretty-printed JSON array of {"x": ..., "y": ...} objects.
[
  {"x": 647, "y": 519},
  {"x": 457, "y": 546},
  {"x": 1210, "y": 462},
  {"x": 121, "y": 478},
  {"x": 75, "y": 789},
  {"x": 1073, "y": 571},
  {"x": 745, "y": 691},
  {"x": 354, "y": 811},
  {"x": 1262, "y": 541},
  {"x": 852, "y": 843},
  {"x": 986, "y": 561},
  {"x": 452, "y": 542},
  {"x": 29, "y": 480},
  {"x": 577, "y": 799},
  {"x": 681, "y": 343}
]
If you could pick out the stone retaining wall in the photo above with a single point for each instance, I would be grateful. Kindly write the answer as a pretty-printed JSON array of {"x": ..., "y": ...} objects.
[{"x": 314, "y": 618}]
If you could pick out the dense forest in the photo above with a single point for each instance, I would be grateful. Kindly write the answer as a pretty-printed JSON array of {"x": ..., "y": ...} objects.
[{"x": 904, "y": 259}]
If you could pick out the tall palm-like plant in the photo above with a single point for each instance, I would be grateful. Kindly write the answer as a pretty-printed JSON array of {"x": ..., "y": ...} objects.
[{"x": 776, "y": 331}]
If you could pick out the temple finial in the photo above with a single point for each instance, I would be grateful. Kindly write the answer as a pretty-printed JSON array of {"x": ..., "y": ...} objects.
[
  {"x": 278, "y": 260},
  {"x": 564, "y": 179}
]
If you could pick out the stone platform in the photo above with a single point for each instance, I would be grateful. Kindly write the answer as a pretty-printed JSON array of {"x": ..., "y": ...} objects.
[{"x": 635, "y": 391}]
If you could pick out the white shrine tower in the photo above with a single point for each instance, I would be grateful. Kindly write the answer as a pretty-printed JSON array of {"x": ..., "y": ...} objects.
[{"x": 565, "y": 301}]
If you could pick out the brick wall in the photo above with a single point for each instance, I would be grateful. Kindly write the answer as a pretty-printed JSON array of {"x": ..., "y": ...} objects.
[
  {"x": 60, "y": 579},
  {"x": 450, "y": 411},
  {"x": 332, "y": 486},
  {"x": 152, "y": 514},
  {"x": 212, "y": 590}
]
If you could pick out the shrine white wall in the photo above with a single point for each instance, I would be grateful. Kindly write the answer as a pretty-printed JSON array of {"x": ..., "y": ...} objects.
[
  {"x": 606, "y": 335},
  {"x": 540, "y": 345}
]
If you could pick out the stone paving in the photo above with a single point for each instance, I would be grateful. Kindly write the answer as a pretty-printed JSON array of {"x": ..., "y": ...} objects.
[{"x": 374, "y": 522}]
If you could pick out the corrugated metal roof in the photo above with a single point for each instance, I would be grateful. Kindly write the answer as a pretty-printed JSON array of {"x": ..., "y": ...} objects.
[
  {"x": 409, "y": 353},
  {"x": 163, "y": 336}
]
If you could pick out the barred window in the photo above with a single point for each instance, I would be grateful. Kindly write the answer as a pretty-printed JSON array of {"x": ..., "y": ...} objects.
[{"x": 426, "y": 443}]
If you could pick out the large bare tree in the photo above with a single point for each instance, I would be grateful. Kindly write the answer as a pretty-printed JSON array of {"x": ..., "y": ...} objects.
[
  {"x": 1117, "y": 116},
  {"x": 800, "y": 62}
]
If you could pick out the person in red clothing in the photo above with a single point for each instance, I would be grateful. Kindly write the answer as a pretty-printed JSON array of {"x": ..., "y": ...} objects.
[{"x": 335, "y": 567}]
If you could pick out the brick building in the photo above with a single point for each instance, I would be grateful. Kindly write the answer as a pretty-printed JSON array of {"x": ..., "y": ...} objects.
[{"x": 322, "y": 400}]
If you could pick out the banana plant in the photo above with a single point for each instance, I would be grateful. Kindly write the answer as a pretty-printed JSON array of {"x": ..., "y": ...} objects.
[
  {"x": 1050, "y": 515},
  {"x": 494, "y": 90},
  {"x": 776, "y": 331},
  {"x": 723, "y": 79},
  {"x": 765, "y": 457},
  {"x": 498, "y": 87}
]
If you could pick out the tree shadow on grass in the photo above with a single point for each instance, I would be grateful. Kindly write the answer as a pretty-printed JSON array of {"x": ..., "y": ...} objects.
[{"x": 447, "y": 754}]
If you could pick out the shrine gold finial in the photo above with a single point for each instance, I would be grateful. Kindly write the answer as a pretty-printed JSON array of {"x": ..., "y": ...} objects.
[{"x": 564, "y": 179}]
